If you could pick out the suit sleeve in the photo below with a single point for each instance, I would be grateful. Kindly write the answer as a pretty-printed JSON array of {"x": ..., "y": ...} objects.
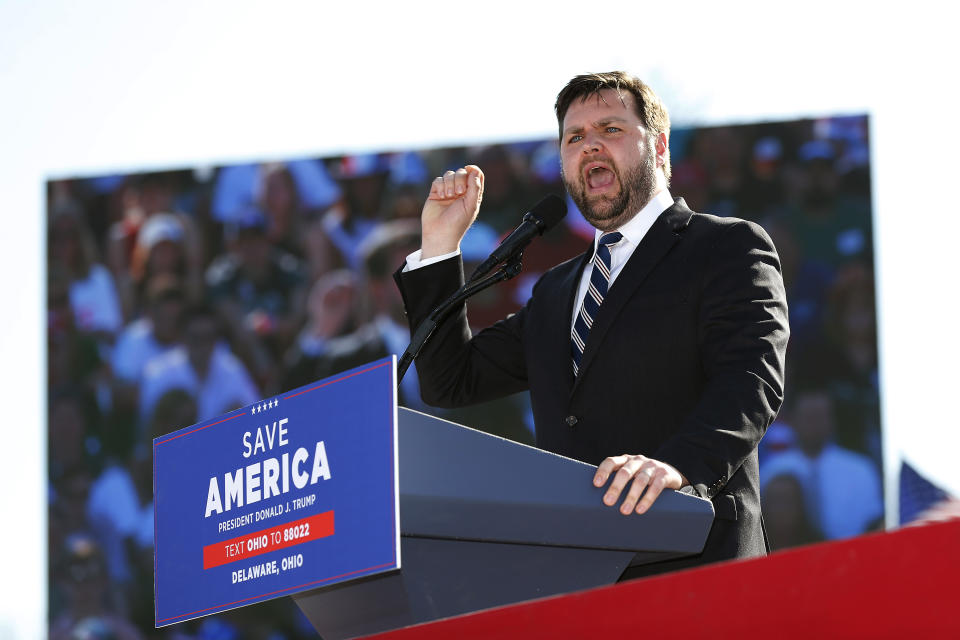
[
  {"x": 456, "y": 368},
  {"x": 743, "y": 335}
]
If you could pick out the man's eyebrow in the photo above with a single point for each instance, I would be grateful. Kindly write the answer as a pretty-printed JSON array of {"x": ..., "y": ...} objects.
[
  {"x": 609, "y": 120},
  {"x": 597, "y": 124}
]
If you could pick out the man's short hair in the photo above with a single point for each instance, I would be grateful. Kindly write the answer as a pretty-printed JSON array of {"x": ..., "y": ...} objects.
[{"x": 651, "y": 110}]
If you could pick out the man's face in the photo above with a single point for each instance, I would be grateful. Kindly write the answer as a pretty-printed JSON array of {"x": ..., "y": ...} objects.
[
  {"x": 166, "y": 315},
  {"x": 201, "y": 338},
  {"x": 609, "y": 160},
  {"x": 253, "y": 248},
  {"x": 813, "y": 420}
]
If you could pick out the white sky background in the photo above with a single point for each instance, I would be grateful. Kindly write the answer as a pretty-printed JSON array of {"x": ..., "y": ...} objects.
[{"x": 96, "y": 86}]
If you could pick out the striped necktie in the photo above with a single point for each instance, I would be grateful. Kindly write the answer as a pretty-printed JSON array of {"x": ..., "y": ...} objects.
[{"x": 599, "y": 281}]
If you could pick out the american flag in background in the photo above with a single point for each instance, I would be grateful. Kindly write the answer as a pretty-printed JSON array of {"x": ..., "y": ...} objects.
[{"x": 923, "y": 502}]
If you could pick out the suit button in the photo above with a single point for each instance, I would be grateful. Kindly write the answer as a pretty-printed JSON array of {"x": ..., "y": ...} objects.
[{"x": 571, "y": 421}]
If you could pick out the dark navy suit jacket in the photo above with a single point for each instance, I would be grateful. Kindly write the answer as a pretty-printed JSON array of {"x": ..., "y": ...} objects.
[{"x": 684, "y": 362}]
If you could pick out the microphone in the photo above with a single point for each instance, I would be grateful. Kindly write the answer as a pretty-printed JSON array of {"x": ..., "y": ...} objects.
[{"x": 542, "y": 217}]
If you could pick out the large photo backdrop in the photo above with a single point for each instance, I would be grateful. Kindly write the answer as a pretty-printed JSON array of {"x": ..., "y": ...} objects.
[{"x": 175, "y": 296}]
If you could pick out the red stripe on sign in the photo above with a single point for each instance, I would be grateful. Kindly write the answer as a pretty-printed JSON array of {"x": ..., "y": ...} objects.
[
  {"x": 259, "y": 542},
  {"x": 330, "y": 382}
]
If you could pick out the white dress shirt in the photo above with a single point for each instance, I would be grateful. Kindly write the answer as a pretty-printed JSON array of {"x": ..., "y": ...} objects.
[{"x": 633, "y": 232}]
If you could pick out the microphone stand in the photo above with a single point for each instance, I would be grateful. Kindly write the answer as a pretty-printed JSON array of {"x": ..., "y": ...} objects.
[{"x": 426, "y": 328}]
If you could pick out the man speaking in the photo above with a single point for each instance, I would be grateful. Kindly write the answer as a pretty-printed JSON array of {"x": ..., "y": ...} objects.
[{"x": 658, "y": 354}]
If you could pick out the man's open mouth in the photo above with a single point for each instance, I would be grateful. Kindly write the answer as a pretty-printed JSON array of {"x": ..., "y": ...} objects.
[{"x": 599, "y": 177}]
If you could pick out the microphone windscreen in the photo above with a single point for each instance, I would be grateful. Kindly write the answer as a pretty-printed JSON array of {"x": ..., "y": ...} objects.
[{"x": 550, "y": 211}]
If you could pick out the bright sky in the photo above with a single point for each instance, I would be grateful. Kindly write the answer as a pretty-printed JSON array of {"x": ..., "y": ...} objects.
[{"x": 97, "y": 86}]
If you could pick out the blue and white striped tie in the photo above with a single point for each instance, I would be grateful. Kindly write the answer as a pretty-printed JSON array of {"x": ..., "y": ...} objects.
[{"x": 599, "y": 281}]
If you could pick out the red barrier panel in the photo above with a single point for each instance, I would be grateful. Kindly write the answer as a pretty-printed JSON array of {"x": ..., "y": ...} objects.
[{"x": 876, "y": 586}]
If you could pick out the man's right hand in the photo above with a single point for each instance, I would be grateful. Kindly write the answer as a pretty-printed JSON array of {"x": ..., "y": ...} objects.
[{"x": 450, "y": 209}]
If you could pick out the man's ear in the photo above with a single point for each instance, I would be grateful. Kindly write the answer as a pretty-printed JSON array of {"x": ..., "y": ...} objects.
[{"x": 661, "y": 148}]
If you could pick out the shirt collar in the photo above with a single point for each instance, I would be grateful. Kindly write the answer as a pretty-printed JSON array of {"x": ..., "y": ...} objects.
[{"x": 638, "y": 225}]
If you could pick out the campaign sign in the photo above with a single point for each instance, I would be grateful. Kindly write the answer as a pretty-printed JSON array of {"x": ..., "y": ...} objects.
[{"x": 295, "y": 492}]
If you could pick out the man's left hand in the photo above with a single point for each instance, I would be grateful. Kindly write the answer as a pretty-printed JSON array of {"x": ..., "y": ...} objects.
[{"x": 645, "y": 473}]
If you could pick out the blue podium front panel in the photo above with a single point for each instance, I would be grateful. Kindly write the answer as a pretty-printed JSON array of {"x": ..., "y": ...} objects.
[{"x": 295, "y": 492}]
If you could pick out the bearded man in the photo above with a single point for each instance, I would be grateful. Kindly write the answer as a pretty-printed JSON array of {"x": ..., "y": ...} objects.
[{"x": 657, "y": 355}]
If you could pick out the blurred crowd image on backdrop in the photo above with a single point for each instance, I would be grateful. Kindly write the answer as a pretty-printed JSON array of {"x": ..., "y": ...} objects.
[{"x": 177, "y": 296}]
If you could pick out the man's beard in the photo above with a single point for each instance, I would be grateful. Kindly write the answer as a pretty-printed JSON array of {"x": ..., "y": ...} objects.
[{"x": 607, "y": 213}]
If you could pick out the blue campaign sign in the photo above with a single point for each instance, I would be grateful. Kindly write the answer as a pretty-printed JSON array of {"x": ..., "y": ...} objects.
[{"x": 293, "y": 493}]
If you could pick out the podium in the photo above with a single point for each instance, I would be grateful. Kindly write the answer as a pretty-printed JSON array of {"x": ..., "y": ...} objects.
[{"x": 486, "y": 522}]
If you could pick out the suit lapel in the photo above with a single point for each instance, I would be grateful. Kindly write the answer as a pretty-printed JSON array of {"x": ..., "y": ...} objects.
[
  {"x": 556, "y": 333},
  {"x": 659, "y": 240}
]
